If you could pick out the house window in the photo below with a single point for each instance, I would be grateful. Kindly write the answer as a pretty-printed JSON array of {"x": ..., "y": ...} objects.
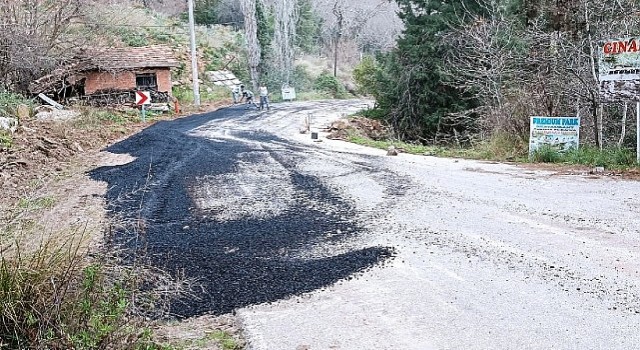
[{"x": 147, "y": 81}]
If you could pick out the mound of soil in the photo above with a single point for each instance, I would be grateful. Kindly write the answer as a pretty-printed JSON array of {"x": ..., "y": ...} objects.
[{"x": 370, "y": 128}]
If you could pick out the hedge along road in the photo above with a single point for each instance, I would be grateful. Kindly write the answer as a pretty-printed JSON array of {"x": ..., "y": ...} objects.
[{"x": 335, "y": 246}]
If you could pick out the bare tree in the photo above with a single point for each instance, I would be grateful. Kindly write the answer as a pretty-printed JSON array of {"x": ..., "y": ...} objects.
[
  {"x": 32, "y": 38},
  {"x": 285, "y": 16},
  {"x": 357, "y": 21},
  {"x": 548, "y": 67}
]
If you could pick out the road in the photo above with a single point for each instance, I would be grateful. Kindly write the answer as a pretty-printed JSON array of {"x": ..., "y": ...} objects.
[{"x": 330, "y": 245}]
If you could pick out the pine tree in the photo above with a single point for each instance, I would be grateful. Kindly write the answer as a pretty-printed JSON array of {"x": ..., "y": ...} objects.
[{"x": 413, "y": 92}]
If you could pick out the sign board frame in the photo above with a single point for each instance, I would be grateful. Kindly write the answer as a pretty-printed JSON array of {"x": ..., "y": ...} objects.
[
  {"x": 288, "y": 93},
  {"x": 560, "y": 133}
]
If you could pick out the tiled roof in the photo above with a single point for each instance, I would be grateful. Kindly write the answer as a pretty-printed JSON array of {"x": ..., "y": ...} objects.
[{"x": 118, "y": 58}]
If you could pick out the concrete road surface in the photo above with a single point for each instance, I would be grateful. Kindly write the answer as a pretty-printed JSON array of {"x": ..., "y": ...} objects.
[{"x": 379, "y": 252}]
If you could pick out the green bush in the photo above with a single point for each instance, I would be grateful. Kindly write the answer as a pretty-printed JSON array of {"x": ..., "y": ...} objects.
[
  {"x": 546, "y": 154},
  {"x": 132, "y": 37},
  {"x": 373, "y": 113},
  {"x": 503, "y": 146},
  {"x": 302, "y": 79},
  {"x": 365, "y": 75},
  {"x": 9, "y": 102},
  {"x": 330, "y": 84},
  {"x": 6, "y": 139},
  {"x": 184, "y": 94},
  {"x": 592, "y": 156},
  {"x": 612, "y": 158}
]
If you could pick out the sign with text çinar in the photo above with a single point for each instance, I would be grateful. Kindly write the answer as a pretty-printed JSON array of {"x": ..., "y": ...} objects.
[
  {"x": 143, "y": 98},
  {"x": 619, "y": 70},
  {"x": 559, "y": 133}
]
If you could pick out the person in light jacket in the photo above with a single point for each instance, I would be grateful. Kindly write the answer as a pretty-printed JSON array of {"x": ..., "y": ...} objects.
[
  {"x": 264, "y": 97},
  {"x": 235, "y": 94}
]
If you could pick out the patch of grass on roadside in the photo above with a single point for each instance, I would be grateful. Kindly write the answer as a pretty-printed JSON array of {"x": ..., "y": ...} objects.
[
  {"x": 184, "y": 94},
  {"x": 417, "y": 148},
  {"x": 90, "y": 118},
  {"x": 9, "y": 102},
  {"x": 218, "y": 339},
  {"x": 6, "y": 139},
  {"x": 53, "y": 296},
  {"x": 312, "y": 95},
  {"x": 225, "y": 340},
  {"x": 46, "y": 202},
  {"x": 610, "y": 158}
]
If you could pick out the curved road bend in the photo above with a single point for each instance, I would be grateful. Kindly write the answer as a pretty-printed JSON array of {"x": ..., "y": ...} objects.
[{"x": 335, "y": 246}]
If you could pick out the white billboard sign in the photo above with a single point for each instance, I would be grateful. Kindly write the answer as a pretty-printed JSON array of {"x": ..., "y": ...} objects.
[
  {"x": 560, "y": 133},
  {"x": 619, "y": 70}
]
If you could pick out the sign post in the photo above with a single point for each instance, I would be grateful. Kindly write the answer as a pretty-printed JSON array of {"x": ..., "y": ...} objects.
[
  {"x": 638, "y": 132},
  {"x": 143, "y": 98}
]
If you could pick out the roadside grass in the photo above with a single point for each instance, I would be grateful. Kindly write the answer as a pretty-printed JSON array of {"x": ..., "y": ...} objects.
[
  {"x": 488, "y": 151},
  {"x": 57, "y": 296},
  {"x": 218, "y": 339},
  {"x": 59, "y": 289},
  {"x": 9, "y": 102},
  {"x": 6, "y": 139},
  {"x": 45, "y": 202},
  {"x": 504, "y": 147},
  {"x": 610, "y": 158},
  {"x": 216, "y": 94},
  {"x": 225, "y": 340},
  {"x": 312, "y": 95}
]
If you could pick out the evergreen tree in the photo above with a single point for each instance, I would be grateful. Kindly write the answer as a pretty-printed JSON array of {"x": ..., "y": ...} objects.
[
  {"x": 412, "y": 90},
  {"x": 204, "y": 12},
  {"x": 308, "y": 27},
  {"x": 266, "y": 24}
]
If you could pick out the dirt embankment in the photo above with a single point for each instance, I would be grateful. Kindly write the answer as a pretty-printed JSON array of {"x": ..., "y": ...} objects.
[{"x": 44, "y": 150}]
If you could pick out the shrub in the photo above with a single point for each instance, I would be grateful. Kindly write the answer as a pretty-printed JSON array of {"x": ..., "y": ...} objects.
[
  {"x": 365, "y": 75},
  {"x": 592, "y": 156},
  {"x": 503, "y": 146},
  {"x": 9, "y": 103},
  {"x": 302, "y": 79},
  {"x": 6, "y": 139},
  {"x": 546, "y": 154},
  {"x": 330, "y": 84},
  {"x": 373, "y": 113}
]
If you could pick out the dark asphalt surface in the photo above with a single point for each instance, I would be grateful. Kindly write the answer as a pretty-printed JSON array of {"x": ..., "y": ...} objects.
[{"x": 186, "y": 242}]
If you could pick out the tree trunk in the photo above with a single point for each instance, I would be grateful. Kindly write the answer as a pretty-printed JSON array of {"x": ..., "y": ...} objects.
[
  {"x": 253, "y": 45},
  {"x": 623, "y": 133}
]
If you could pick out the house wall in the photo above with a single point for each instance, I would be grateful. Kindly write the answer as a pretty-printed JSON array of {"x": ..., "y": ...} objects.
[
  {"x": 125, "y": 80},
  {"x": 164, "y": 80}
]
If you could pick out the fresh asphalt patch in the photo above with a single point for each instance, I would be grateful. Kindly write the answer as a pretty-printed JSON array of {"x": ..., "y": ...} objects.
[{"x": 245, "y": 259}]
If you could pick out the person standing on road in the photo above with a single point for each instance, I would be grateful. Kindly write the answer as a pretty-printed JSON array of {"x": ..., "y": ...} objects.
[
  {"x": 235, "y": 94},
  {"x": 264, "y": 97}
]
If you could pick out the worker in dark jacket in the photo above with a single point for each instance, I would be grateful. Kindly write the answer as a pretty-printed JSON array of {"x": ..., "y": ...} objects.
[{"x": 248, "y": 97}]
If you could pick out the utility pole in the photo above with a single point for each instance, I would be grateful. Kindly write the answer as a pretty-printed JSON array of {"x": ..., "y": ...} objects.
[
  {"x": 194, "y": 56},
  {"x": 338, "y": 12}
]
